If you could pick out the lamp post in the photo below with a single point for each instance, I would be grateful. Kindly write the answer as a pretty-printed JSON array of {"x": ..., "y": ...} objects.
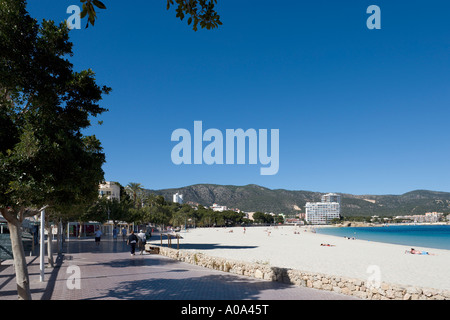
[{"x": 42, "y": 248}]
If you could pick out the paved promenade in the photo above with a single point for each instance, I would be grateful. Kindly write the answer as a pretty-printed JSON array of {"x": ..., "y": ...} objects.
[{"x": 108, "y": 271}]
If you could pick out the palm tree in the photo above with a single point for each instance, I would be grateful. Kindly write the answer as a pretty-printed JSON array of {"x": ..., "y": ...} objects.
[{"x": 134, "y": 189}]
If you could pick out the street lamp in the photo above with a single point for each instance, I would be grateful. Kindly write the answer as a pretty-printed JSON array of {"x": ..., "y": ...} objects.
[{"x": 42, "y": 248}]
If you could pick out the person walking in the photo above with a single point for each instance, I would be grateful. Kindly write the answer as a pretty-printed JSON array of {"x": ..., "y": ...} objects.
[
  {"x": 115, "y": 232},
  {"x": 124, "y": 233},
  {"x": 142, "y": 241},
  {"x": 98, "y": 235},
  {"x": 132, "y": 240}
]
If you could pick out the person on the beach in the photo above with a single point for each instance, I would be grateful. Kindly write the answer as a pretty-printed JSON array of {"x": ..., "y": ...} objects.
[
  {"x": 132, "y": 240},
  {"x": 98, "y": 235},
  {"x": 327, "y": 245},
  {"x": 414, "y": 251}
]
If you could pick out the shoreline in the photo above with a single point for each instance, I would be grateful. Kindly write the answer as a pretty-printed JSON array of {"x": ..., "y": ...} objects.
[
  {"x": 387, "y": 242},
  {"x": 292, "y": 247}
]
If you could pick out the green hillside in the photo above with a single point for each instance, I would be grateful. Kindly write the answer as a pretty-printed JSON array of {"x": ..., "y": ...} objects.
[{"x": 256, "y": 198}]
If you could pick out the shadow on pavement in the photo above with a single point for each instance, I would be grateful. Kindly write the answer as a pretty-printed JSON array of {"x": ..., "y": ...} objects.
[{"x": 211, "y": 287}]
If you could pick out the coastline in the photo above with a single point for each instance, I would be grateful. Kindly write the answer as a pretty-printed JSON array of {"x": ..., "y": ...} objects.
[
  {"x": 412, "y": 235},
  {"x": 294, "y": 248}
]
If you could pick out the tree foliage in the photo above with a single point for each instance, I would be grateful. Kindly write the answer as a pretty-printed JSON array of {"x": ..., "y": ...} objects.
[
  {"x": 264, "y": 218},
  {"x": 89, "y": 10},
  {"x": 45, "y": 160},
  {"x": 199, "y": 12},
  {"x": 156, "y": 210},
  {"x": 134, "y": 189}
]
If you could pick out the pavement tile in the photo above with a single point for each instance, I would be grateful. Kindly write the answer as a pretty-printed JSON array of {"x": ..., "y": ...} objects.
[{"x": 109, "y": 272}]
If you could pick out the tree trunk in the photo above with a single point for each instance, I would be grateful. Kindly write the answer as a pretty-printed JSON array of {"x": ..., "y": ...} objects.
[
  {"x": 81, "y": 230},
  {"x": 20, "y": 264}
]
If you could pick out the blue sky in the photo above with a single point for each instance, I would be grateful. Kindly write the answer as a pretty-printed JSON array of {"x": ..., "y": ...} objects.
[{"x": 359, "y": 111}]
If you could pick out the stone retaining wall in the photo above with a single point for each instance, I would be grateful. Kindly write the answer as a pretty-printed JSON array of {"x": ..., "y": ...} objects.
[{"x": 348, "y": 286}]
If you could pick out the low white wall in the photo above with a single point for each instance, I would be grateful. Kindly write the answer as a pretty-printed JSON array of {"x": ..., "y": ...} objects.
[{"x": 348, "y": 286}]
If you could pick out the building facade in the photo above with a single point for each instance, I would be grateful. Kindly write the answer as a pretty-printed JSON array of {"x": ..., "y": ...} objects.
[
  {"x": 178, "y": 198},
  {"x": 110, "y": 190},
  {"x": 325, "y": 211},
  {"x": 428, "y": 217},
  {"x": 218, "y": 208},
  {"x": 331, "y": 197}
]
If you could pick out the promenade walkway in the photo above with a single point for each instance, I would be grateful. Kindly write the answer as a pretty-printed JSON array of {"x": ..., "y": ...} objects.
[{"x": 109, "y": 272}]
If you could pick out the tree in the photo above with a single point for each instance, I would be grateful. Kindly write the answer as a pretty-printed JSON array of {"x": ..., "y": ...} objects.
[
  {"x": 259, "y": 217},
  {"x": 109, "y": 209},
  {"x": 162, "y": 213},
  {"x": 264, "y": 218},
  {"x": 232, "y": 217},
  {"x": 98, "y": 211},
  {"x": 279, "y": 219},
  {"x": 44, "y": 158},
  {"x": 135, "y": 190},
  {"x": 44, "y": 104}
]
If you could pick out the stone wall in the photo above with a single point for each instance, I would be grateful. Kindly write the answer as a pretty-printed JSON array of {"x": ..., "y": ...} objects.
[{"x": 343, "y": 285}]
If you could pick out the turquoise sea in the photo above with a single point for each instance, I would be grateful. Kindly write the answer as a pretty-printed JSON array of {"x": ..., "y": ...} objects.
[{"x": 428, "y": 236}]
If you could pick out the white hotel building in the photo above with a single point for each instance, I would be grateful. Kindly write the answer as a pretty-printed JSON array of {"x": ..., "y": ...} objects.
[
  {"x": 178, "y": 198},
  {"x": 325, "y": 211}
]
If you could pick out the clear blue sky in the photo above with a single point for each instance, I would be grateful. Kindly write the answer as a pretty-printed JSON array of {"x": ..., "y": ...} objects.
[{"x": 359, "y": 111}]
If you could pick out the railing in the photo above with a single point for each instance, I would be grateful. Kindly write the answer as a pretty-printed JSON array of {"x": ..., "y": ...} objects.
[{"x": 5, "y": 250}]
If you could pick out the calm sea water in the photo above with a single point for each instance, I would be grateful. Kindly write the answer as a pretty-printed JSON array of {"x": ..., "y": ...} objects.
[{"x": 437, "y": 237}]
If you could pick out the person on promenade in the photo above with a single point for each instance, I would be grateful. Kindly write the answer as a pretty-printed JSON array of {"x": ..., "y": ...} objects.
[
  {"x": 142, "y": 240},
  {"x": 115, "y": 232},
  {"x": 98, "y": 235},
  {"x": 132, "y": 240},
  {"x": 124, "y": 233}
]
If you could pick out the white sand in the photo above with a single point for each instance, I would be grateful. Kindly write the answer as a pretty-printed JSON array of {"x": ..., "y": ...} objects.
[{"x": 349, "y": 258}]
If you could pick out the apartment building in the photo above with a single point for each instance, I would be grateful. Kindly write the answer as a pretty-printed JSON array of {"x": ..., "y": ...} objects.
[
  {"x": 110, "y": 190},
  {"x": 178, "y": 198},
  {"x": 325, "y": 211}
]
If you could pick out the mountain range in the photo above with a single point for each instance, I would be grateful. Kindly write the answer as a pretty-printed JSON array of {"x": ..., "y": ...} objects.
[{"x": 252, "y": 198}]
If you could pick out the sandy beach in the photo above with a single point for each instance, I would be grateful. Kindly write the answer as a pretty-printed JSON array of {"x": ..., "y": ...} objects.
[{"x": 292, "y": 247}]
